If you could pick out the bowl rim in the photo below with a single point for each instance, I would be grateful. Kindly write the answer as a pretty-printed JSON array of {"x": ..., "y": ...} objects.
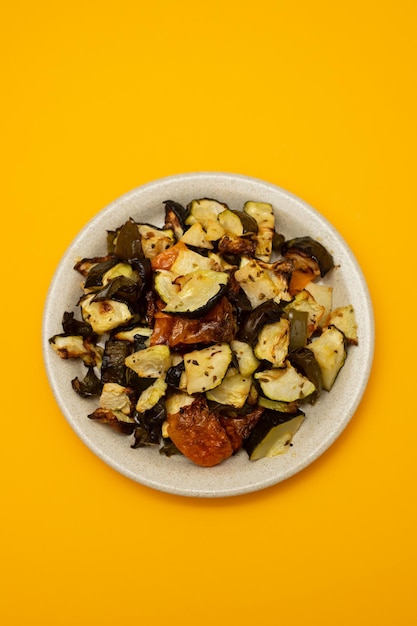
[{"x": 184, "y": 179}]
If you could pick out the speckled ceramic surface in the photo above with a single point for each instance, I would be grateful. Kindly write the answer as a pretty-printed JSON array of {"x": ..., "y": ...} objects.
[{"x": 324, "y": 422}]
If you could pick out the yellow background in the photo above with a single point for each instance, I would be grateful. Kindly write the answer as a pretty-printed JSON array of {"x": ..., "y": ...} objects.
[{"x": 99, "y": 97}]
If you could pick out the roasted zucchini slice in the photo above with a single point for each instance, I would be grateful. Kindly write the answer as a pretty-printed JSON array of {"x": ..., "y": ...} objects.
[
  {"x": 272, "y": 434},
  {"x": 284, "y": 384},
  {"x": 273, "y": 342},
  {"x": 188, "y": 261},
  {"x": 77, "y": 347},
  {"x": 151, "y": 395},
  {"x": 233, "y": 390},
  {"x": 247, "y": 361},
  {"x": 329, "y": 351},
  {"x": 196, "y": 237},
  {"x": 200, "y": 293},
  {"x": 206, "y": 368},
  {"x": 115, "y": 397},
  {"x": 154, "y": 240},
  {"x": 263, "y": 214},
  {"x": 204, "y": 209},
  {"x": 152, "y": 362},
  {"x": 345, "y": 320},
  {"x": 256, "y": 282},
  {"x": 105, "y": 315}
]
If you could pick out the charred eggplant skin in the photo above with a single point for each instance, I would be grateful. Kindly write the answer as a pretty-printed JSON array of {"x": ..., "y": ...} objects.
[
  {"x": 269, "y": 419},
  {"x": 305, "y": 362},
  {"x": 308, "y": 247},
  {"x": 252, "y": 323}
]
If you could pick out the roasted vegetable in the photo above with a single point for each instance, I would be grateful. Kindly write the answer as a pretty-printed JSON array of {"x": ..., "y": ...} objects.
[
  {"x": 199, "y": 341},
  {"x": 201, "y": 291},
  {"x": 206, "y": 368},
  {"x": 77, "y": 347},
  {"x": 252, "y": 323},
  {"x": 198, "y": 433},
  {"x": 105, "y": 315},
  {"x": 272, "y": 434},
  {"x": 113, "y": 369},
  {"x": 175, "y": 216},
  {"x": 284, "y": 384},
  {"x": 344, "y": 319},
  {"x": 263, "y": 214},
  {"x": 301, "y": 248},
  {"x": 329, "y": 351},
  {"x": 304, "y": 361},
  {"x": 128, "y": 244},
  {"x": 89, "y": 386}
]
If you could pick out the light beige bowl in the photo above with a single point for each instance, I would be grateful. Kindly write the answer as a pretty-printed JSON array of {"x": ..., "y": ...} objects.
[{"x": 324, "y": 421}]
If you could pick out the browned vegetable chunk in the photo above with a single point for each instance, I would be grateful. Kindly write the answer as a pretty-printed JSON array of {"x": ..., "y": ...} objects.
[
  {"x": 239, "y": 428},
  {"x": 217, "y": 326},
  {"x": 198, "y": 434}
]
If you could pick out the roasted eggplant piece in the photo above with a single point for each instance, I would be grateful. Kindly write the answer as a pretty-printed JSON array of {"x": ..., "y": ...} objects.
[
  {"x": 272, "y": 434},
  {"x": 117, "y": 420},
  {"x": 201, "y": 292},
  {"x": 256, "y": 282},
  {"x": 203, "y": 210},
  {"x": 175, "y": 216},
  {"x": 77, "y": 347},
  {"x": 305, "y": 362},
  {"x": 89, "y": 386},
  {"x": 306, "y": 247},
  {"x": 154, "y": 240},
  {"x": 128, "y": 244},
  {"x": 263, "y": 214},
  {"x": 148, "y": 432},
  {"x": 196, "y": 237},
  {"x": 246, "y": 360},
  {"x": 72, "y": 326},
  {"x": 117, "y": 398},
  {"x": 121, "y": 289},
  {"x": 232, "y": 247},
  {"x": 251, "y": 324},
  {"x": 151, "y": 395},
  {"x": 95, "y": 276},
  {"x": 249, "y": 223},
  {"x": 113, "y": 369}
]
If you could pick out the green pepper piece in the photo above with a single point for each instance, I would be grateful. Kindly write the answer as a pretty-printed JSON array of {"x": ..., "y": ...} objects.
[{"x": 298, "y": 329}]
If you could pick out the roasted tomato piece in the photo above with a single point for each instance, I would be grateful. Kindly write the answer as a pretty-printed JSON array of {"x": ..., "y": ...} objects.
[
  {"x": 217, "y": 325},
  {"x": 198, "y": 434},
  {"x": 165, "y": 259},
  {"x": 239, "y": 428}
]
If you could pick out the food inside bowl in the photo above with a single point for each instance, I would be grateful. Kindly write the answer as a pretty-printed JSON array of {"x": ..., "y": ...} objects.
[{"x": 209, "y": 335}]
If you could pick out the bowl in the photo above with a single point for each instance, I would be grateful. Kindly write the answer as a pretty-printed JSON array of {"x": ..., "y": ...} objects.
[{"x": 325, "y": 420}]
